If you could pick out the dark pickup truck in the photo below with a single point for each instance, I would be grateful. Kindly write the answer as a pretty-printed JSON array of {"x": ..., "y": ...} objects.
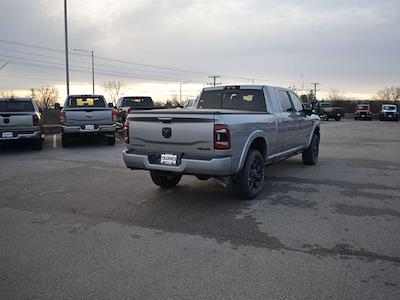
[
  {"x": 130, "y": 103},
  {"x": 327, "y": 111}
]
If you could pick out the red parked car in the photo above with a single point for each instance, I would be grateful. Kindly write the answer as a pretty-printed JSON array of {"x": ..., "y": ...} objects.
[{"x": 363, "y": 112}]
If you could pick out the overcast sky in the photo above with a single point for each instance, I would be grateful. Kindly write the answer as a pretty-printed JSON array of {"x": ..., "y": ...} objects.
[{"x": 349, "y": 45}]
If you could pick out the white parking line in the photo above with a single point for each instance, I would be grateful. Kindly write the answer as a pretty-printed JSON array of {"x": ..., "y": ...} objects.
[
  {"x": 54, "y": 141},
  {"x": 117, "y": 139}
]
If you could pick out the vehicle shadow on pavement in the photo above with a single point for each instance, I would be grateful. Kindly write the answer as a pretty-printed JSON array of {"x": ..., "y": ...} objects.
[{"x": 13, "y": 147}]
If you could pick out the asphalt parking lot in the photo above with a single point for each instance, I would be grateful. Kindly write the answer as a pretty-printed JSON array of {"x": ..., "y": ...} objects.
[{"x": 76, "y": 223}]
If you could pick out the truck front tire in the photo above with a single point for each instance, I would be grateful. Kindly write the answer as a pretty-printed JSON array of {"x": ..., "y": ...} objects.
[
  {"x": 165, "y": 179},
  {"x": 310, "y": 155},
  {"x": 248, "y": 183}
]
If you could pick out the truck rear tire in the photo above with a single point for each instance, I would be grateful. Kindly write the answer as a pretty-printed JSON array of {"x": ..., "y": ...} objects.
[
  {"x": 165, "y": 179},
  {"x": 310, "y": 155},
  {"x": 37, "y": 144},
  {"x": 65, "y": 140},
  {"x": 111, "y": 140},
  {"x": 249, "y": 182}
]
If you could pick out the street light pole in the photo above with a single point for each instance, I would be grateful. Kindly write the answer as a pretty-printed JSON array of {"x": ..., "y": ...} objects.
[
  {"x": 93, "y": 70},
  {"x": 92, "y": 53},
  {"x": 66, "y": 46}
]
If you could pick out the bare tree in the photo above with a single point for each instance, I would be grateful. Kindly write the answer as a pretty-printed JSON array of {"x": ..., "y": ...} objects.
[
  {"x": 45, "y": 96},
  {"x": 335, "y": 95},
  {"x": 173, "y": 102},
  {"x": 391, "y": 93},
  {"x": 7, "y": 94},
  {"x": 113, "y": 89}
]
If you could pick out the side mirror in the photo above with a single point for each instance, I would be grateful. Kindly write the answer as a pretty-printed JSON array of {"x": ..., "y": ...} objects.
[
  {"x": 307, "y": 109},
  {"x": 110, "y": 104}
]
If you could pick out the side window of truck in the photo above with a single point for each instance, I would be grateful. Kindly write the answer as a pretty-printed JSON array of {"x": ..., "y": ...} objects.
[
  {"x": 298, "y": 105},
  {"x": 284, "y": 101}
]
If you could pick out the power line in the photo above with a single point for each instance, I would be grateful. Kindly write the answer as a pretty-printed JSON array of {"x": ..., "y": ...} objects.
[{"x": 122, "y": 61}]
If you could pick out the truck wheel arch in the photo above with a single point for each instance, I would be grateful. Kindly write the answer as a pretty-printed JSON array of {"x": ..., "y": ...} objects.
[
  {"x": 255, "y": 141},
  {"x": 316, "y": 131}
]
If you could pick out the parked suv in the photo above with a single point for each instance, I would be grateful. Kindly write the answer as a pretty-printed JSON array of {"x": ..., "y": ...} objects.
[
  {"x": 389, "y": 112},
  {"x": 230, "y": 135},
  {"x": 87, "y": 115},
  {"x": 20, "y": 119},
  {"x": 363, "y": 112}
]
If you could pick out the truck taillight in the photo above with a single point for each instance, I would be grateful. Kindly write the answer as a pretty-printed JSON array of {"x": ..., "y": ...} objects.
[
  {"x": 63, "y": 117},
  {"x": 114, "y": 116},
  {"x": 222, "y": 137},
  {"x": 35, "y": 120},
  {"x": 126, "y": 132}
]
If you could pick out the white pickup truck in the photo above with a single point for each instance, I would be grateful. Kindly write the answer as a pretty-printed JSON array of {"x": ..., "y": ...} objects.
[{"x": 230, "y": 135}]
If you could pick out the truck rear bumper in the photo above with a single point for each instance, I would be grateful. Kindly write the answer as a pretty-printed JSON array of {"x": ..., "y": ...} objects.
[
  {"x": 213, "y": 167},
  {"x": 100, "y": 129},
  {"x": 20, "y": 135}
]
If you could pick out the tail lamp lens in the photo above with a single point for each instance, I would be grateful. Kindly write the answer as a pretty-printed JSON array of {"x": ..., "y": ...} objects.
[
  {"x": 222, "y": 137},
  {"x": 63, "y": 117},
  {"x": 35, "y": 120},
  {"x": 126, "y": 132}
]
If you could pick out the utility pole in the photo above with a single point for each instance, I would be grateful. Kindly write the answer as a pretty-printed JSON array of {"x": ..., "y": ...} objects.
[
  {"x": 92, "y": 53},
  {"x": 66, "y": 46},
  {"x": 315, "y": 84},
  {"x": 214, "y": 78}
]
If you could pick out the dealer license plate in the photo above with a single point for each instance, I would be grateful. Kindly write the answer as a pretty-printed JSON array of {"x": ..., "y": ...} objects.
[
  {"x": 168, "y": 159},
  {"x": 7, "y": 135},
  {"x": 89, "y": 127}
]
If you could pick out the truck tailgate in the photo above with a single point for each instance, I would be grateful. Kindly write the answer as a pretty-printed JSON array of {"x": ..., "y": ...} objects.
[
  {"x": 94, "y": 116},
  {"x": 9, "y": 120},
  {"x": 175, "y": 133}
]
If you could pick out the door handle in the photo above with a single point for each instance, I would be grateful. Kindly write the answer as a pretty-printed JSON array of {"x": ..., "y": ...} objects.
[{"x": 285, "y": 121}]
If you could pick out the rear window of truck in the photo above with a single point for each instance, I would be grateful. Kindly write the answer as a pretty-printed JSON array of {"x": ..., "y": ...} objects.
[
  {"x": 387, "y": 107},
  {"x": 16, "y": 106},
  {"x": 238, "y": 99},
  {"x": 81, "y": 101},
  {"x": 137, "y": 102},
  {"x": 363, "y": 107}
]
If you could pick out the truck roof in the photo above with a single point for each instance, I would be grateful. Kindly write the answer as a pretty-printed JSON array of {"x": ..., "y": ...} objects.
[
  {"x": 226, "y": 87},
  {"x": 16, "y": 99}
]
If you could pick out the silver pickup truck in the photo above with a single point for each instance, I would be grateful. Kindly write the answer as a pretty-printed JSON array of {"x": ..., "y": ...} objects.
[
  {"x": 231, "y": 134},
  {"x": 20, "y": 120},
  {"x": 87, "y": 115}
]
